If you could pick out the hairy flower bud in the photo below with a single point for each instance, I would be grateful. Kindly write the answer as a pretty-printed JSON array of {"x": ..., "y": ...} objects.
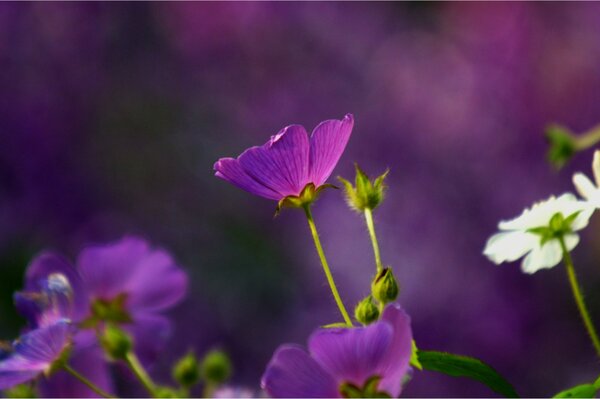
[
  {"x": 215, "y": 367},
  {"x": 562, "y": 145},
  {"x": 366, "y": 312},
  {"x": 384, "y": 287},
  {"x": 116, "y": 342},
  {"x": 187, "y": 371},
  {"x": 365, "y": 194}
]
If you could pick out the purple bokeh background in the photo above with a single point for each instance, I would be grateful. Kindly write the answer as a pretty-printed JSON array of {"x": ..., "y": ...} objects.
[{"x": 111, "y": 116}]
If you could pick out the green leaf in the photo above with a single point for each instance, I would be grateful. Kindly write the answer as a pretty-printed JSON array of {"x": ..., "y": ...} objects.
[
  {"x": 463, "y": 366},
  {"x": 579, "y": 391},
  {"x": 414, "y": 357}
]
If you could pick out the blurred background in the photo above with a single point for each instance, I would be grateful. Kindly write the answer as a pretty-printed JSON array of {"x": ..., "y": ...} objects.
[{"x": 112, "y": 115}]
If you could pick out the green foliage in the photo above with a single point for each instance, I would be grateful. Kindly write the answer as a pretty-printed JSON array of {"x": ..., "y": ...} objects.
[
  {"x": 366, "y": 312},
  {"x": 463, "y": 366},
  {"x": 215, "y": 367},
  {"x": 365, "y": 194},
  {"x": 384, "y": 287},
  {"x": 579, "y": 391},
  {"x": 20, "y": 391},
  {"x": 187, "y": 371},
  {"x": 562, "y": 145}
]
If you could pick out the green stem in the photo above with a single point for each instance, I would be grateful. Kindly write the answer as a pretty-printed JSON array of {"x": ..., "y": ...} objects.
[
  {"x": 86, "y": 382},
  {"x": 588, "y": 139},
  {"x": 139, "y": 371},
  {"x": 334, "y": 291},
  {"x": 579, "y": 296},
  {"x": 371, "y": 227}
]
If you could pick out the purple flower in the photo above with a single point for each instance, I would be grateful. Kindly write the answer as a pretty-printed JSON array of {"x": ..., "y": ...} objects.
[
  {"x": 366, "y": 360},
  {"x": 289, "y": 161},
  {"x": 34, "y": 353}
]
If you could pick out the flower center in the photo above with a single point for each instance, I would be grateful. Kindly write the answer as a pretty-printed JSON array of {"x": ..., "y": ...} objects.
[
  {"x": 108, "y": 310},
  {"x": 368, "y": 390}
]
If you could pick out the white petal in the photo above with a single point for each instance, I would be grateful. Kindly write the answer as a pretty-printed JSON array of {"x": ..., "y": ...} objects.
[
  {"x": 582, "y": 220},
  {"x": 584, "y": 186},
  {"x": 539, "y": 214},
  {"x": 596, "y": 167},
  {"x": 509, "y": 246},
  {"x": 542, "y": 257},
  {"x": 571, "y": 241}
]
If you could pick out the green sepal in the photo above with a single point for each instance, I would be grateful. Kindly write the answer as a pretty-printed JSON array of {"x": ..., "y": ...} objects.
[
  {"x": 563, "y": 145},
  {"x": 308, "y": 195},
  {"x": 20, "y": 391},
  {"x": 414, "y": 356},
  {"x": 557, "y": 227},
  {"x": 469, "y": 367},
  {"x": 112, "y": 311},
  {"x": 369, "y": 390},
  {"x": 364, "y": 194},
  {"x": 61, "y": 361}
]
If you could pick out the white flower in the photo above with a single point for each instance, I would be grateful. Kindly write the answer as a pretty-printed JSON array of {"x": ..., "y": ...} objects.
[
  {"x": 588, "y": 190},
  {"x": 516, "y": 239}
]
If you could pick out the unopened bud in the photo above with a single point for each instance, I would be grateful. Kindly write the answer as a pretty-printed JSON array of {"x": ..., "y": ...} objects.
[
  {"x": 384, "y": 287},
  {"x": 187, "y": 371},
  {"x": 366, "y": 312},
  {"x": 116, "y": 342},
  {"x": 365, "y": 194},
  {"x": 563, "y": 145},
  {"x": 215, "y": 367}
]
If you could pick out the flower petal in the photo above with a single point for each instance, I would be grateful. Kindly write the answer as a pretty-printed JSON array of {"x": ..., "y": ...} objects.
[
  {"x": 509, "y": 246},
  {"x": 43, "y": 346},
  {"x": 292, "y": 373},
  {"x": 327, "y": 143},
  {"x": 571, "y": 241},
  {"x": 36, "y": 279},
  {"x": 88, "y": 358},
  {"x": 584, "y": 186},
  {"x": 281, "y": 164},
  {"x": 542, "y": 257},
  {"x": 352, "y": 354},
  {"x": 541, "y": 212},
  {"x": 230, "y": 170},
  {"x": 596, "y": 167},
  {"x": 397, "y": 361}
]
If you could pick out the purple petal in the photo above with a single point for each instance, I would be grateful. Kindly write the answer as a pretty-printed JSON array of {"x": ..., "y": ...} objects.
[
  {"x": 230, "y": 170},
  {"x": 87, "y": 358},
  {"x": 352, "y": 354},
  {"x": 33, "y": 353},
  {"x": 282, "y": 163},
  {"x": 36, "y": 280},
  {"x": 292, "y": 373},
  {"x": 327, "y": 143},
  {"x": 150, "y": 333},
  {"x": 397, "y": 361},
  {"x": 107, "y": 269},
  {"x": 157, "y": 283}
]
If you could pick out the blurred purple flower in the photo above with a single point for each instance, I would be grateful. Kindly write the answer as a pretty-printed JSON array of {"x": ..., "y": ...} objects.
[
  {"x": 34, "y": 353},
  {"x": 344, "y": 357},
  {"x": 289, "y": 161}
]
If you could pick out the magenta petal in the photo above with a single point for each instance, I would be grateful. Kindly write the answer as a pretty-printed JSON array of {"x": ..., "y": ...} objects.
[
  {"x": 156, "y": 284},
  {"x": 230, "y": 170},
  {"x": 397, "y": 361},
  {"x": 48, "y": 263},
  {"x": 10, "y": 377},
  {"x": 292, "y": 373},
  {"x": 87, "y": 358},
  {"x": 327, "y": 144},
  {"x": 352, "y": 354},
  {"x": 107, "y": 269},
  {"x": 282, "y": 163}
]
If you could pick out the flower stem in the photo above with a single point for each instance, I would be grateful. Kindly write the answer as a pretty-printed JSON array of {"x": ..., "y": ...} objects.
[
  {"x": 86, "y": 382},
  {"x": 334, "y": 291},
  {"x": 588, "y": 139},
  {"x": 136, "y": 367},
  {"x": 371, "y": 227},
  {"x": 579, "y": 296}
]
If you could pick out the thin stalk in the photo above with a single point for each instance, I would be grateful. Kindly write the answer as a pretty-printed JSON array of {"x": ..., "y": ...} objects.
[
  {"x": 334, "y": 291},
  {"x": 139, "y": 371},
  {"x": 371, "y": 227},
  {"x": 86, "y": 382},
  {"x": 588, "y": 139},
  {"x": 587, "y": 321}
]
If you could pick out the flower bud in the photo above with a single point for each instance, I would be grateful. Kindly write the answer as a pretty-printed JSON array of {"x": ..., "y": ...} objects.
[
  {"x": 166, "y": 392},
  {"x": 215, "y": 367},
  {"x": 187, "y": 371},
  {"x": 20, "y": 391},
  {"x": 116, "y": 342},
  {"x": 365, "y": 194},
  {"x": 366, "y": 312},
  {"x": 384, "y": 287},
  {"x": 563, "y": 145}
]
